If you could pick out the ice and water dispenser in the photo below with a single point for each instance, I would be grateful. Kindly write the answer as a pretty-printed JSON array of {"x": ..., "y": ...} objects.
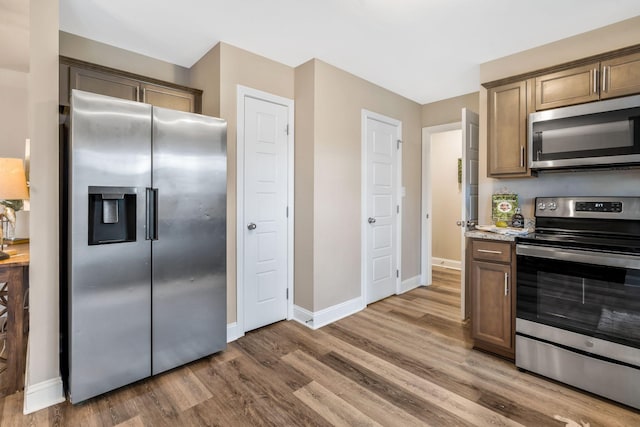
[{"x": 112, "y": 215}]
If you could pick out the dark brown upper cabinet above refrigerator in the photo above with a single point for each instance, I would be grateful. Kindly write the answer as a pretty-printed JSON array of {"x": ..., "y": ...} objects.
[{"x": 94, "y": 78}]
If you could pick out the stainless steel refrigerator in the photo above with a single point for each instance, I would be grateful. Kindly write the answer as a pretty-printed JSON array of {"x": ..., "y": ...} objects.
[{"x": 146, "y": 255}]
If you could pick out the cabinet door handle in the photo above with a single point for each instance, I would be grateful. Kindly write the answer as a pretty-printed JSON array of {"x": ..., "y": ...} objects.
[
  {"x": 605, "y": 86},
  {"x": 521, "y": 156},
  {"x": 506, "y": 284},
  {"x": 595, "y": 80},
  {"x": 487, "y": 251}
]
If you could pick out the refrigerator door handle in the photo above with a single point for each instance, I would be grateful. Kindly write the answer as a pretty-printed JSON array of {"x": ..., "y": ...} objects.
[{"x": 151, "y": 219}]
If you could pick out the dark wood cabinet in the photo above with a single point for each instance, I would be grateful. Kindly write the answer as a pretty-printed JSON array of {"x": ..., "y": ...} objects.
[
  {"x": 509, "y": 106},
  {"x": 493, "y": 296},
  {"x": 103, "y": 83},
  {"x": 75, "y": 74},
  {"x": 165, "y": 97},
  {"x": 14, "y": 327}
]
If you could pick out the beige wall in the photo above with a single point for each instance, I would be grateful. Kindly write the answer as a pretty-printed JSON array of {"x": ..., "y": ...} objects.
[
  {"x": 13, "y": 112},
  {"x": 14, "y": 75},
  {"x": 446, "y": 196},
  {"x": 14, "y": 124},
  {"x": 14, "y": 35},
  {"x": 449, "y": 110},
  {"x": 43, "y": 359},
  {"x": 339, "y": 100},
  {"x": 304, "y": 185},
  {"x": 205, "y": 75},
  {"x": 608, "y": 38},
  {"x": 99, "y": 53},
  {"x": 611, "y": 37},
  {"x": 240, "y": 67}
]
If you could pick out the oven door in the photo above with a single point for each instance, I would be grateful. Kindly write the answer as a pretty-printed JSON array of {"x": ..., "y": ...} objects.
[{"x": 591, "y": 293}]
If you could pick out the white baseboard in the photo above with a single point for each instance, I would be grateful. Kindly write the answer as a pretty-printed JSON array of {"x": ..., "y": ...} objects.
[
  {"x": 234, "y": 332},
  {"x": 318, "y": 319},
  {"x": 410, "y": 283},
  {"x": 303, "y": 316},
  {"x": 446, "y": 263},
  {"x": 42, "y": 395}
]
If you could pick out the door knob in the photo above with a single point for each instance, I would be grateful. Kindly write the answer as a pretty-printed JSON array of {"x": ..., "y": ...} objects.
[
  {"x": 459, "y": 223},
  {"x": 252, "y": 226},
  {"x": 371, "y": 220}
]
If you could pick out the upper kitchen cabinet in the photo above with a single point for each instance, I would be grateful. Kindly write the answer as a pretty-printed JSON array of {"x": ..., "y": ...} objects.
[
  {"x": 165, "y": 97},
  {"x": 103, "y": 83},
  {"x": 75, "y": 74},
  {"x": 510, "y": 100},
  {"x": 620, "y": 76},
  {"x": 568, "y": 87},
  {"x": 509, "y": 106},
  {"x": 608, "y": 78}
]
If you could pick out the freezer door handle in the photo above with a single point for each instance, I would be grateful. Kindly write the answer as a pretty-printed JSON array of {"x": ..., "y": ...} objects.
[{"x": 151, "y": 219}]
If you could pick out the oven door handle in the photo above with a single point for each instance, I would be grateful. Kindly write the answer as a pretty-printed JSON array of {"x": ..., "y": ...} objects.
[{"x": 581, "y": 256}]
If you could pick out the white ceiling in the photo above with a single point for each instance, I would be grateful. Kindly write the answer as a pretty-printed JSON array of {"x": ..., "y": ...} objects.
[{"x": 425, "y": 50}]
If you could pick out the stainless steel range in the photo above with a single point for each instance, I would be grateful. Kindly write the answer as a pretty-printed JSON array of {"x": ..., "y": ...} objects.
[{"x": 578, "y": 295}]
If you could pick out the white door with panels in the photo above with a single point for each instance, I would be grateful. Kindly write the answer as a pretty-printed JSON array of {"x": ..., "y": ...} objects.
[
  {"x": 381, "y": 205},
  {"x": 470, "y": 156},
  {"x": 265, "y": 212}
]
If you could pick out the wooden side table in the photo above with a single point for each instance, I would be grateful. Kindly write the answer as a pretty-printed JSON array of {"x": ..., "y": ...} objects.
[{"x": 14, "y": 283}]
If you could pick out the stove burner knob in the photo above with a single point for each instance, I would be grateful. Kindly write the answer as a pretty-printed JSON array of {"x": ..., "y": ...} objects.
[
  {"x": 553, "y": 206},
  {"x": 542, "y": 206}
]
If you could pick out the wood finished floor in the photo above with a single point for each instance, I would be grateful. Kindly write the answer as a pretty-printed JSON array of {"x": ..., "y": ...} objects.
[{"x": 404, "y": 361}]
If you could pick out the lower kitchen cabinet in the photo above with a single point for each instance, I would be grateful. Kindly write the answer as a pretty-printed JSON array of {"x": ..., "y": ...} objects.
[{"x": 493, "y": 296}]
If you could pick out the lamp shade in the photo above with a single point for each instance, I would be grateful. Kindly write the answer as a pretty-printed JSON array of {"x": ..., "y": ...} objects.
[{"x": 13, "y": 183}]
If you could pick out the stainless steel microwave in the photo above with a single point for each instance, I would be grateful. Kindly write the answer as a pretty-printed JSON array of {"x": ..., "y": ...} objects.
[{"x": 597, "y": 134}]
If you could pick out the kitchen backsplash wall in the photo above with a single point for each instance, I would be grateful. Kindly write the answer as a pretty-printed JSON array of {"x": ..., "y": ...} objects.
[{"x": 582, "y": 183}]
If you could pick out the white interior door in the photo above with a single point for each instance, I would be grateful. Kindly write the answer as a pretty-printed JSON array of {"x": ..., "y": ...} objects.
[
  {"x": 470, "y": 156},
  {"x": 382, "y": 206},
  {"x": 265, "y": 212}
]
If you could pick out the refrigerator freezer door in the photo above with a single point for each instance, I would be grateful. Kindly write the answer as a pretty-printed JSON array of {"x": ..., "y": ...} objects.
[
  {"x": 109, "y": 288},
  {"x": 189, "y": 255}
]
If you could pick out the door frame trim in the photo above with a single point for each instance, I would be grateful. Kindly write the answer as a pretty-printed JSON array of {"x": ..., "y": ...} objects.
[
  {"x": 426, "y": 235},
  {"x": 366, "y": 114},
  {"x": 242, "y": 93}
]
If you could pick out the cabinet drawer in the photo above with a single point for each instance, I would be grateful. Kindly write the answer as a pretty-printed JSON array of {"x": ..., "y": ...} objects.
[{"x": 491, "y": 251}]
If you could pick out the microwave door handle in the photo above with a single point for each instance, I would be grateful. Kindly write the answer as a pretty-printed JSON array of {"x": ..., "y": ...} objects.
[{"x": 581, "y": 256}]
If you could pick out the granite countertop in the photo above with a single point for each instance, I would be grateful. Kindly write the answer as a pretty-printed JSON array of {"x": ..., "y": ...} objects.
[{"x": 487, "y": 235}]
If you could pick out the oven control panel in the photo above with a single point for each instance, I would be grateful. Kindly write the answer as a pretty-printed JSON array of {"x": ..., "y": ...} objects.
[
  {"x": 598, "y": 206},
  {"x": 627, "y": 208}
]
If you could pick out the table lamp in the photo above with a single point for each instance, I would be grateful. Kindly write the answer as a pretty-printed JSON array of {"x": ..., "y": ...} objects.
[{"x": 13, "y": 186}]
